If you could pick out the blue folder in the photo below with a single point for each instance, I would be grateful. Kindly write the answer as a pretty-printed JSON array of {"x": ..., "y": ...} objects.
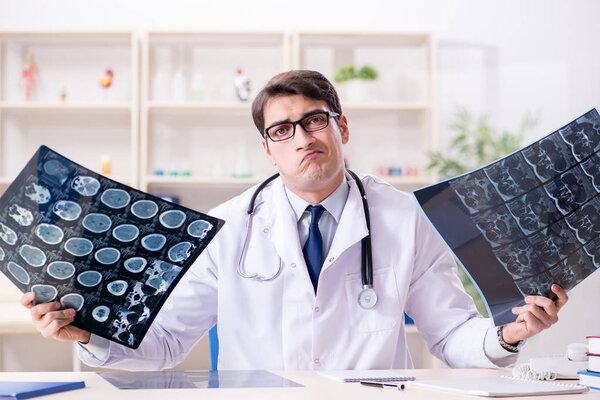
[{"x": 26, "y": 390}]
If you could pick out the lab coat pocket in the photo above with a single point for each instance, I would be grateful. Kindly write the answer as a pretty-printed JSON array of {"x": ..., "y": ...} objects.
[{"x": 386, "y": 314}]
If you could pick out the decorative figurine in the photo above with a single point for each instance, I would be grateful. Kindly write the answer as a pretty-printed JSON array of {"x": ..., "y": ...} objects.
[
  {"x": 242, "y": 86},
  {"x": 107, "y": 78},
  {"x": 29, "y": 75},
  {"x": 106, "y": 82}
]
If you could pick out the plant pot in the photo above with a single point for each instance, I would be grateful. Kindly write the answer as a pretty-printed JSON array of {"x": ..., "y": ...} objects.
[{"x": 356, "y": 90}]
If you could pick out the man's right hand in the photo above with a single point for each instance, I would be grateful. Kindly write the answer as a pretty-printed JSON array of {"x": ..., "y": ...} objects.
[{"x": 52, "y": 322}]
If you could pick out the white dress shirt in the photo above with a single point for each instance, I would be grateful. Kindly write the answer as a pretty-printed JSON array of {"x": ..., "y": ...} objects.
[{"x": 328, "y": 223}]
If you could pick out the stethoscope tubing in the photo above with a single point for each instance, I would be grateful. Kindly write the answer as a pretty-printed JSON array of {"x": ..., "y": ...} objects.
[{"x": 366, "y": 269}]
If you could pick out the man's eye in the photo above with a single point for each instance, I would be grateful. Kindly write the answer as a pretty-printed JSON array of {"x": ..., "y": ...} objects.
[
  {"x": 316, "y": 120},
  {"x": 281, "y": 130}
]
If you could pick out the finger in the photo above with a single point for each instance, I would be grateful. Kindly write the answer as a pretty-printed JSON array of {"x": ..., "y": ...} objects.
[
  {"x": 534, "y": 325},
  {"x": 38, "y": 311},
  {"x": 61, "y": 314},
  {"x": 52, "y": 330},
  {"x": 562, "y": 296},
  {"x": 27, "y": 299},
  {"x": 541, "y": 314},
  {"x": 544, "y": 302}
]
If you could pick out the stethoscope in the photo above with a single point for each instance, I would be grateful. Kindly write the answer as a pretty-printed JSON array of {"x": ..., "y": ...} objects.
[{"x": 367, "y": 298}]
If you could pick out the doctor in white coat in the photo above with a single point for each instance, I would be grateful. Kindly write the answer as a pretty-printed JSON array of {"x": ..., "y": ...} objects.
[{"x": 274, "y": 310}]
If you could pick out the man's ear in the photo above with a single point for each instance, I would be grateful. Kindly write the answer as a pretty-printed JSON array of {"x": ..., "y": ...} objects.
[
  {"x": 265, "y": 146},
  {"x": 344, "y": 131}
]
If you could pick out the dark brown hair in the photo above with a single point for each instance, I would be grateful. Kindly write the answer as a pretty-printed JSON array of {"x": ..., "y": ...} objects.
[{"x": 311, "y": 84}]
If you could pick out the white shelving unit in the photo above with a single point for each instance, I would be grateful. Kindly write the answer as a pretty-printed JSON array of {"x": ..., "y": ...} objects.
[
  {"x": 204, "y": 129},
  {"x": 105, "y": 120},
  {"x": 392, "y": 120},
  {"x": 91, "y": 123}
]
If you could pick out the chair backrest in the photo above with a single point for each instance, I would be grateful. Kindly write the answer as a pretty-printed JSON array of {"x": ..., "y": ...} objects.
[{"x": 213, "y": 345}]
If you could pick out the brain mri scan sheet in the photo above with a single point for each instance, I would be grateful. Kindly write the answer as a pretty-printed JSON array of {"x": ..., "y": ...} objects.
[
  {"x": 107, "y": 250},
  {"x": 523, "y": 222}
]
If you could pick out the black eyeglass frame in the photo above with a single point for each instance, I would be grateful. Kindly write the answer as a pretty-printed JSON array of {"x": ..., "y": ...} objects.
[{"x": 329, "y": 114}]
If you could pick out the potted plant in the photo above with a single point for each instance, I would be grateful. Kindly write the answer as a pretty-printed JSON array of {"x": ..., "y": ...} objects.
[
  {"x": 354, "y": 82},
  {"x": 475, "y": 144}
]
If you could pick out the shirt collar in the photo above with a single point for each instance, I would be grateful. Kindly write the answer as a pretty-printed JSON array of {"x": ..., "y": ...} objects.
[{"x": 334, "y": 203}]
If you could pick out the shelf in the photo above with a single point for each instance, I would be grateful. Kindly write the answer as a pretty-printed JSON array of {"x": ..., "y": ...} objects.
[
  {"x": 4, "y": 181},
  {"x": 366, "y": 106},
  {"x": 199, "y": 106},
  {"x": 386, "y": 106},
  {"x": 217, "y": 181},
  {"x": 65, "y": 107},
  {"x": 201, "y": 180},
  {"x": 413, "y": 181}
]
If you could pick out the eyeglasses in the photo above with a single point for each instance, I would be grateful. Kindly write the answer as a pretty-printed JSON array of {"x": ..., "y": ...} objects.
[{"x": 310, "y": 123}]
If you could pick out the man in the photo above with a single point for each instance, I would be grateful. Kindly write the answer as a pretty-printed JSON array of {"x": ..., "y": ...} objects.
[{"x": 276, "y": 307}]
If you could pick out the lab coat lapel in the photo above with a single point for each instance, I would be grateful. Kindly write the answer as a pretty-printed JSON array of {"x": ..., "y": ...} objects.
[
  {"x": 352, "y": 226},
  {"x": 284, "y": 227}
]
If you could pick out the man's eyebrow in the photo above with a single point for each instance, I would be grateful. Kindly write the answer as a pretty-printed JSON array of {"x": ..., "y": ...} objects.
[{"x": 306, "y": 114}]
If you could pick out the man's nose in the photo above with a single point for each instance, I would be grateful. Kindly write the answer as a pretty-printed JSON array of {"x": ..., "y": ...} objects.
[{"x": 302, "y": 137}]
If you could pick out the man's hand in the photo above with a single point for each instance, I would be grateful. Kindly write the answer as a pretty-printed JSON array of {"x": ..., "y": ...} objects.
[
  {"x": 538, "y": 314},
  {"x": 52, "y": 322}
]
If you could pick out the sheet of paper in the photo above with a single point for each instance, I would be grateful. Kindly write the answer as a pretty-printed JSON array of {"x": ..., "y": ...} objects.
[
  {"x": 527, "y": 220},
  {"x": 110, "y": 251}
]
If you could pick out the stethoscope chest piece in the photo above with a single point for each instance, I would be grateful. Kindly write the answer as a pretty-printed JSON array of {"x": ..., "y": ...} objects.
[{"x": 367, "y": 298}]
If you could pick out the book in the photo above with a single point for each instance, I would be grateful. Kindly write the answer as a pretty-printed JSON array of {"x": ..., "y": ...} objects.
[
  {"x": 111, "y": 252},
  {"x": 590, "y": 379},
  {"x": 593, "y": 362},
  {"x": 504, "y": 386},
  {"x": 380, "y": 375},
  {"x": 558, "y": 366},
  {"x": 26, "y": 390},
  {"x": 520, "y": 223},
  {"x": 593, "y": 344}
]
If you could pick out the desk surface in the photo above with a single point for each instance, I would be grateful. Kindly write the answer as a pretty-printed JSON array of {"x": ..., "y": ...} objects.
[{"x": 315, "y": 387}]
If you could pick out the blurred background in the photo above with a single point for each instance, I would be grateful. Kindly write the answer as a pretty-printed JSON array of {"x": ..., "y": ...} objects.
[{"x": 157, "y": 95}]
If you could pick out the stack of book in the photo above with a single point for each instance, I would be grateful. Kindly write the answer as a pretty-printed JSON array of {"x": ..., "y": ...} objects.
[{"x": 591, "y": 377}]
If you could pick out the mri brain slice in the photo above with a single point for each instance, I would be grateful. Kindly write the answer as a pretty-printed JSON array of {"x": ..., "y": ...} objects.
[
  {"x": 144, "y": 209},
  {"x": 86, "y": 185},
  {"x": 61, "y": 269},
  {"x": 172, "y": 219},
  {"x": 79, "y": 247},
  {"x": 49, "y": 234},
  {"x": 97, "y": 223},
  {"x": 115, "y": 198},
  {"x": 67, "y": 210},
  {"x": 44, "y": 293},
  {"x": 32, "y": 255},
  {"x": 72, "y": 300},
  {"x": 18, "y": 272}
]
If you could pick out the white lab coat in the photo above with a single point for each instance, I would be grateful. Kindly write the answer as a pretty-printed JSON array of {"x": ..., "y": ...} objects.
[{"x": 281, "y": 324}]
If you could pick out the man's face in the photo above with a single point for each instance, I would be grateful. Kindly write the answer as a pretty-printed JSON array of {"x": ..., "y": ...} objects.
[{"x": 309, "y": 161}]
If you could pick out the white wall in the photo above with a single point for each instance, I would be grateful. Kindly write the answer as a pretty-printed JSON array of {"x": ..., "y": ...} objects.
[{"x": 499, "y": 57}]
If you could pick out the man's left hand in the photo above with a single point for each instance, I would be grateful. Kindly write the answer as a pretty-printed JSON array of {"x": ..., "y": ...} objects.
[{"x": 538, "y": 314}]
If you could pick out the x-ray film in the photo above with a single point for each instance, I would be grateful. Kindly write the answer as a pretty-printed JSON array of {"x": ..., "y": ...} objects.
[
  {"x": 526, "y": 221},
  {"x": 107, "y": 250}
]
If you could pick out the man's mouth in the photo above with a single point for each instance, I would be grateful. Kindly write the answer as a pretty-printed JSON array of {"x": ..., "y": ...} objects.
[{"x": 310, "y": 155}]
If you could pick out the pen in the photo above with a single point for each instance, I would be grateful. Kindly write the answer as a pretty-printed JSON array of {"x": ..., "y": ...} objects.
[{"x": 383, "y": 384}]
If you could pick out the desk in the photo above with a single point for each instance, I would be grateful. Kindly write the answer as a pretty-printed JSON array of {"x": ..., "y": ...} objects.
[{"x": 315, "y": 387}]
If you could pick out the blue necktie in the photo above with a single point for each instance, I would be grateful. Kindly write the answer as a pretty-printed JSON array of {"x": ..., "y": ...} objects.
[{"x": 313, "y": 248}]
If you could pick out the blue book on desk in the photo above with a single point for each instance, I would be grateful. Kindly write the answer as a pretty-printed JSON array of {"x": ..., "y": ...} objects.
[{"x": 26, "y": 390}]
